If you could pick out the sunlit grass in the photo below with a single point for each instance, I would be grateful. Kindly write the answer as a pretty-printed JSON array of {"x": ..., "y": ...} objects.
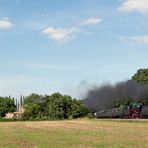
[{"x": 74, "y": 134}]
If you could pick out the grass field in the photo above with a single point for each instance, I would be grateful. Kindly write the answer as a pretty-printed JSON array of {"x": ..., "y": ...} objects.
[{"x": 82, "y": 133}]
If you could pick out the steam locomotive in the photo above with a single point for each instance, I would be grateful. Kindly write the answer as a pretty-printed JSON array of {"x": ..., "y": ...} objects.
[{"x": 132, "y": 111}]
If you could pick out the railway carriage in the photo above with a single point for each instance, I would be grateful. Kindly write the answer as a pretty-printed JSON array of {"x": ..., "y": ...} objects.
[{"x": 130, "y": 112}]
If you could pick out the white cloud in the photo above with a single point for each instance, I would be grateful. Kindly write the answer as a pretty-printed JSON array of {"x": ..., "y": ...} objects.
[
  {"x": 60, "y": 34},
  {"x": 66, "y": 34},
  {"x": 5, "y": 24},
  {"x": 91, "y": 21},
  {"x": 135, "y": 5},
  {"x": 139, "y": 39}
]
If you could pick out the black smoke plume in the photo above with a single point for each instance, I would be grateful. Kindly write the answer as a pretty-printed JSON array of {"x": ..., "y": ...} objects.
[{"x": 103, "y": 97}]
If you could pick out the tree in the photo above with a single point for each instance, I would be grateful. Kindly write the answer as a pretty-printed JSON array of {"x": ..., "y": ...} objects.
[
  {"x": 31, "y": 111},
  {"x": 33, "y": 98},
  {"x": 78, "y": 109},
  {"x": 34, "y": 106},
  {"x": 56, "y": 106},
  {"x": 6, "y": 105},
  {"x": 141, "y": 76}
]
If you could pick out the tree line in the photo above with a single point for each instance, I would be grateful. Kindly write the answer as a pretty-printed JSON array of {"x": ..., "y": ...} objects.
[
  {"x": 38, "y": 107},
  {"x": 55, "y": 106}
]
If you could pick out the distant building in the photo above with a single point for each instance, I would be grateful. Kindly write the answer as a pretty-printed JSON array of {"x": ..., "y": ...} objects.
[
  {"x": 20, "y": 110},
  {"x": 16, "y": 114}
]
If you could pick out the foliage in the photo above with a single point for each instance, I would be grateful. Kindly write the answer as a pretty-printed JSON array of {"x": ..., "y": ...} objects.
[
  {"x": 141, "y": 76},
  {"x": 6, "y": 105},
  {"x": 33, "y": 98},
  {"x": 78, "y": 109},
  {"x": 56, "y": 106},
  {"x": 32, "y": 111}
]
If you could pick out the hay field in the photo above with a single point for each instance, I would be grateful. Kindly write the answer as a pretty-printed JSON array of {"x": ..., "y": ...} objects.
[{"x": 83, "y": 133}]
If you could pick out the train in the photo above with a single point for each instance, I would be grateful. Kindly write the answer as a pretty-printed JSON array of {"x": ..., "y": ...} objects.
[{"x": 132, "y": 111}]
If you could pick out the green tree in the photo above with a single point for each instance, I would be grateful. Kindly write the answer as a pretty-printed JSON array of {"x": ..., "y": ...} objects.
[
  {"x": 78, "y": 109},
  {"x": 56, "y": 106},
  {"x": 6, "y": 105},
  {"x": 141, "y": 76},
  {"x": 31, "y": 111},
  {"x": 33, "y": 98},
  {"x": 34, "y": 106}
]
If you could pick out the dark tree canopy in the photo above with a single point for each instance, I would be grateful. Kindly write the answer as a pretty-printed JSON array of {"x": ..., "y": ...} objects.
[{"x": 141, "y": 76}]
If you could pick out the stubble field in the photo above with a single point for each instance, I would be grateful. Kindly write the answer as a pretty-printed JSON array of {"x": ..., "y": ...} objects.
[{"x": 81, "y": 133}]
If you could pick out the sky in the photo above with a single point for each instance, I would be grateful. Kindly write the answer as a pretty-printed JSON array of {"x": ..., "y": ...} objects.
[{"x": 67, "y": 46}]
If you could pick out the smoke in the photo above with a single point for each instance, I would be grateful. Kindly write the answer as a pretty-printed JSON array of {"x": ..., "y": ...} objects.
[{"x": 98, "y": 98}]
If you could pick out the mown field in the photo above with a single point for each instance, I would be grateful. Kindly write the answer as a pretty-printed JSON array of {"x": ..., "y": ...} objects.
[{"x": 81, "y": 133}]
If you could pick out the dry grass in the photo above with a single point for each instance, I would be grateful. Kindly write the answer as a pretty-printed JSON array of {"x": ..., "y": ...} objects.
[{"x": 75, "y": 134}]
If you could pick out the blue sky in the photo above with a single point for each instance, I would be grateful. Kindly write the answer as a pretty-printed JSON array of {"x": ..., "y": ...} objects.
[{"x": 48, "y": 46}]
